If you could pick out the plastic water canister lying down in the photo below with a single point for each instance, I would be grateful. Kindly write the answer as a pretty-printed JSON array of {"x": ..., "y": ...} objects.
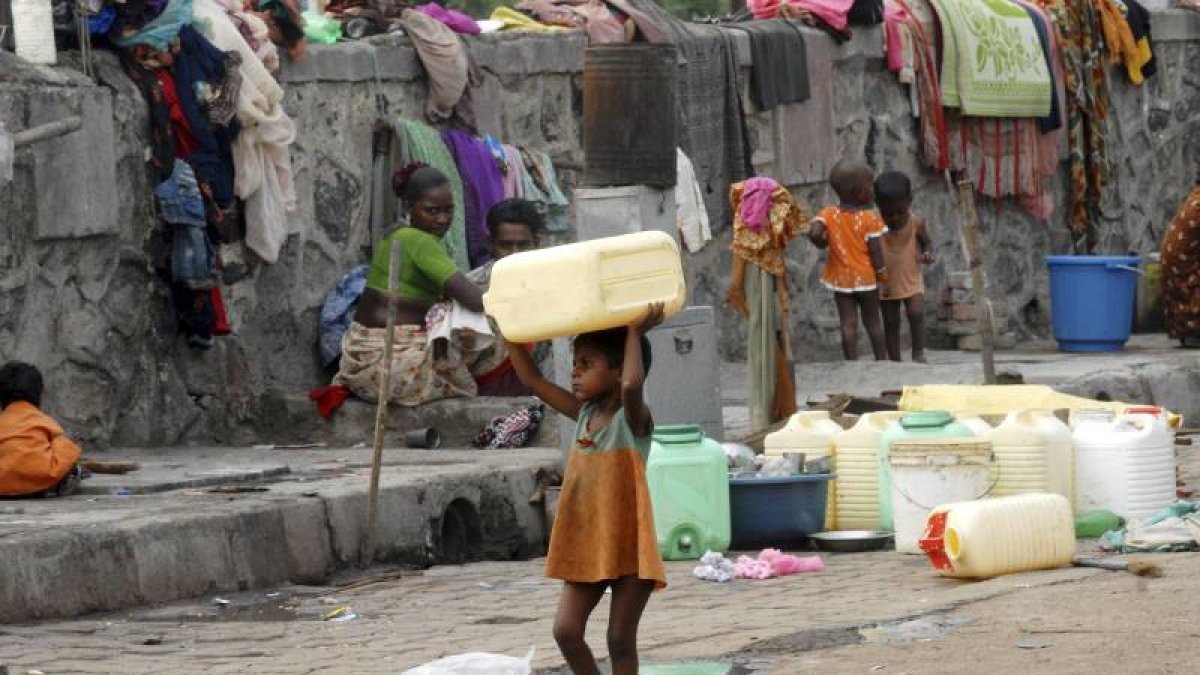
[
  {"x": 589, "y": 286},
  {"x": 990, "y": 537}
]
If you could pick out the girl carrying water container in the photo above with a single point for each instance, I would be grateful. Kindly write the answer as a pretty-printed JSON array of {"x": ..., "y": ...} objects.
[{"x": 604, "y": 530}]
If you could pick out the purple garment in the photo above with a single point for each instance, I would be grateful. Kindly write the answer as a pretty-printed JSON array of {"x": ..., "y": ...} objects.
[
  {"x": 454, "y": 20},
  {"x": 756, "y": 202},
  {"x": 483, "y": 187}
]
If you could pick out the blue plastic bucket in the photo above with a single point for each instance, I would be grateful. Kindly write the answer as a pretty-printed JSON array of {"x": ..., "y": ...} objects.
[
  {"x": 777, "y": 510},
  {"x": 1091, "y": 299}
]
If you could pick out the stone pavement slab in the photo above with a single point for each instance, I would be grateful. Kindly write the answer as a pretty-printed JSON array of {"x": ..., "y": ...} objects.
[{"x": 507, "y": 607}]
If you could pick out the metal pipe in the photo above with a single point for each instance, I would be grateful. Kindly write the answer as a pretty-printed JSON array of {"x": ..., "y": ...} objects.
[{"x": 47, "y": 131}]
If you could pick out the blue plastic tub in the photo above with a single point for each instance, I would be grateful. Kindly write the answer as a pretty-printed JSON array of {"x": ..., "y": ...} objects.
[
  {"x": 778, "y": 510},
  {"x": 1091, "y": 299}
]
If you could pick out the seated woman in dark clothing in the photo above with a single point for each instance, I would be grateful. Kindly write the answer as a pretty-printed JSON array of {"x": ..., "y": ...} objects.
[{"x": 425, "y": 367}]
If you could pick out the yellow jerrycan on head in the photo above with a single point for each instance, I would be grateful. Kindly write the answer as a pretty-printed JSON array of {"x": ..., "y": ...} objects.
[
  {"x": 1002, "y": 535},
  {"x": 810, "y": 432},
  {"x": 589, "y": 286}
]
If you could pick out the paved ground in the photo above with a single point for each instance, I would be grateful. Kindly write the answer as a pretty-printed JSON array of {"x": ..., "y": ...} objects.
[{"x": 796, "y": 624}]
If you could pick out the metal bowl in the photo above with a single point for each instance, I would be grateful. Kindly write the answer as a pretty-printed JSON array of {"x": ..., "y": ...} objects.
[{"x": 851, "y": 541}]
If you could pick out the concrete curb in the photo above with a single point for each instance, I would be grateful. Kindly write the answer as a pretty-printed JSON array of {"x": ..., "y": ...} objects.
[{"x": 462, "y": 512}]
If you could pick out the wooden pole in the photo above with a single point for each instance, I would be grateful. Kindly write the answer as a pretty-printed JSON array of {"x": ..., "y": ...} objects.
[
  {"x": 969, "y": 233},
  {"x": 385, "y": 385}
]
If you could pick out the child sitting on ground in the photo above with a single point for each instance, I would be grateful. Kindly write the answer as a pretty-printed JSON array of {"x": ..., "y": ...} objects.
[
  {"x": 854, "y": 266},
  {"x": 36, "y": 459},
  {"x": 603, "y": 535},
  {"x": 906, "y": 247}
]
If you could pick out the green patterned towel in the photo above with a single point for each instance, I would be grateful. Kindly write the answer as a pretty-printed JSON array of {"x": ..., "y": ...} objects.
[{"x": 992, "y": 60}]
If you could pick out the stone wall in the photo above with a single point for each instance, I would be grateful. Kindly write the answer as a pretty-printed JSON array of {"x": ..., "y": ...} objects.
[
  {"x": 78, "y": 298},
  {"x": 77, "y": 294}
]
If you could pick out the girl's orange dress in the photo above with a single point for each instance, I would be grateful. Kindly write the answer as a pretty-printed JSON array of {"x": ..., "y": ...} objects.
[
  {"x": 604, "y": 528},
  {"x": 848, "y": 265}
]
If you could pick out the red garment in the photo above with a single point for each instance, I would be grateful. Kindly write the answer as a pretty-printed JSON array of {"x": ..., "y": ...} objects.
[
  {"x": 185, "y": 142},
  {"x": 220, "y": 316},
  {"x": 329, "y": 399}
]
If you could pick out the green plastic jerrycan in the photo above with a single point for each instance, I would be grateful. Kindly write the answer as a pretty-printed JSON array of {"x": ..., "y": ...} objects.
[
  {"x": 927, "y": 424},
  {"x": 689, "y": 488}
]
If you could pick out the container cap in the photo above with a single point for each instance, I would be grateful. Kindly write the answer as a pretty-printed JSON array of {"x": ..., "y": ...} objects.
[
  {"x": 678, "y": 434},
  {"x": 930, "y": 419}
]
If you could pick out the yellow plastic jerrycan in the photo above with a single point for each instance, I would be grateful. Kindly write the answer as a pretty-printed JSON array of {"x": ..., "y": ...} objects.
[
  {"x": 990, "y": 537},
  {"x": 810, "y": 432},
  {"x": 592, "y": 285},
  {"x": 1033, "y": 454},
  {"x": 857, "y": 467}
]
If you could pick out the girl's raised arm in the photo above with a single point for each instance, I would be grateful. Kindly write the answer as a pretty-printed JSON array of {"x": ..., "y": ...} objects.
[
  {"x": 555, "y": 396},
  {"x": 633, "y": 373}
]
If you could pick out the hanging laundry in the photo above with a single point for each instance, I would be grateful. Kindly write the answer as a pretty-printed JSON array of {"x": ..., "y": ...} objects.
[
  {"x": 914, "y": 22},
  {"x": 1139, "y": 24},
  {"x": 422, "y": 143},
  {"x": 1086, "y": 81},
  {"x": 712, "y": 124},
  {"x": 1119, "y": 41},
  {"x": 261, "y": 152},
  {"x": 758, "y": 290},
  {"x": 199, "y": 63},
  {"x": 483, "y": 187},
  {"x": 835, "y": 13},
  {"x": 541, "y": 188},
  {"x": 162, "y": 31},
  {"x": 456, "y": 21},
  {"x": 515, "y": 175},
  {"x": 1000, "y": 73},
  {"x": 445, "y": 60},
  {"x": 1045, "y": 32},
  {"x": 780, "y": 70},
  {"x": 692, "y": 216}
]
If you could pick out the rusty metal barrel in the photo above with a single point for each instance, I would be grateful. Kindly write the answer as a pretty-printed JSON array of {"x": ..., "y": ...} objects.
[{"x": 629, "y": 116}]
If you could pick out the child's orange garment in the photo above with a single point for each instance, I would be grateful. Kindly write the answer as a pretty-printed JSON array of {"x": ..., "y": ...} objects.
[
  {"x": 848, "y": 265},
  {"x": 34, "y": 453},
  {"x": 604, "y": 527}
]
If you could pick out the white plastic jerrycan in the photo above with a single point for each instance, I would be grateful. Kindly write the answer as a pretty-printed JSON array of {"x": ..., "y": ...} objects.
[
  {"x": 856, "y": 452},
  {"x": 1124, "y": 464},
  {"x": 1033, "y": 454}
]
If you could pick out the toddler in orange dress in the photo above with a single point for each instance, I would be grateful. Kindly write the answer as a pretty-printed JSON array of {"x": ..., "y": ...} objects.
[
  {"x": 906, "y": 247},
  {"x": 854, "y": 266},
  {"x": 603, "y": 533}
]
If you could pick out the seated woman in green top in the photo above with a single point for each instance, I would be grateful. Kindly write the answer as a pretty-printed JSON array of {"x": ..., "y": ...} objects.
[{"x": 426, "y": 275}]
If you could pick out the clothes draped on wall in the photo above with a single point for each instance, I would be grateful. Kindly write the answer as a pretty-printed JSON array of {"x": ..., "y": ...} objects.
[{"x": 766, "y": 218}]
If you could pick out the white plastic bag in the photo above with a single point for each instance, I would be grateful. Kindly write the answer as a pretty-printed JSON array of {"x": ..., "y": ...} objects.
[{"x": 477, "y": 663}]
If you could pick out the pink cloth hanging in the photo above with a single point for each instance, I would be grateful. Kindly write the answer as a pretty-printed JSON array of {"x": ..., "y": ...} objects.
[{"x": 755, "y": 208}]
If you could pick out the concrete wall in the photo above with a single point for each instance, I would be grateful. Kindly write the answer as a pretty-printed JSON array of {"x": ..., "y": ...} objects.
[{"x": 77, "y": 296}]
